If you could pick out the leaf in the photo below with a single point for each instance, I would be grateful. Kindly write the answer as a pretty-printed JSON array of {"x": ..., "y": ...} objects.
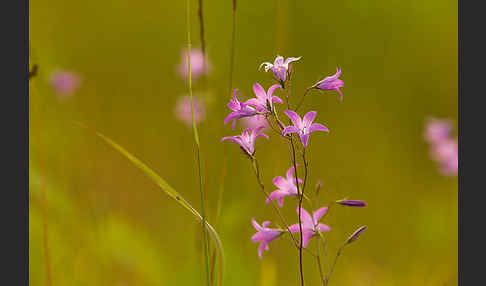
[{"x": 171, "y": 192}]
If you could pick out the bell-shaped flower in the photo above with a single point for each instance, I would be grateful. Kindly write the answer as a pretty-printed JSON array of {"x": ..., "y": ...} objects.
[
  {"x": 331, "y": 83},
  {"x": 310, "y": 224},
  {"x": 303, "y": 127},
  {"x": 286, "y": 187},
  {"x": 280, "y": 67},
  {"x": 240, "y": 110},
  {"x": 264, "y": 235},
  {"x": 247, "y": 139},
  {"x": 264, "y": 100}
]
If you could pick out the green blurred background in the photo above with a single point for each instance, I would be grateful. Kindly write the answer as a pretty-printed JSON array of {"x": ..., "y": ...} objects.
[{"x": 109, "y": 224}]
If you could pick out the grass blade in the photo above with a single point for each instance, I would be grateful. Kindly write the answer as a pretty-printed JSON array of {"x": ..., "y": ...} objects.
[{"x": 171, "y": 192}]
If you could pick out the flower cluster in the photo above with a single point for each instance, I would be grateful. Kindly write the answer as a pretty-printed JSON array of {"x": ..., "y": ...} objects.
[
  {"x": 263, "y": 109},
  {"x": 199, "y": 66},
  {"x": 443, "y": 146}
]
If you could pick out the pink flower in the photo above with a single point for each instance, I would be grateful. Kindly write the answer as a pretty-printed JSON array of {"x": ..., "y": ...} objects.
[
  {"x": 264, "y": 235},
  {"x": 331, "y": 83},
  {"x": 264, "y": 100},
  {"x": 183, "y": 110},
  {"x": 240, "y": 110},
  {"x": 280, "y": 67},
  {"x": 198, "y": 66},
  {"x": 310, "y": 225},
  {"x": 247, "y": 139},
  {"x": 65, "y": 82},
  {"x": 443, "y": 147},
  {"x": 255, "y": 121},
  {"x": 437, "y": 130},
  {"x": 286, "y": 187},
  {"x": 303, "y": 127},
  {"x": 445, "y": 153}
]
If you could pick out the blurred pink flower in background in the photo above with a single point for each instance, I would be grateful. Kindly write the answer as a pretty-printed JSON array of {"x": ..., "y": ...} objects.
[
  {"x": 198, "y": 65},
  {"x": 183, "y": 110},
  {"x": 255, "y": 121},
  {"x": 443, "y": 146},
  {"x": 65, "y": 82}
]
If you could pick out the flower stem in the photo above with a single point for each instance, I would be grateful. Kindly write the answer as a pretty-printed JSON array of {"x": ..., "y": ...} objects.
[
  {"x": 256, "y": 169},
  {"x": 318, "y": 258},
  {"x": 303, "y": 97},
  {"x": 334, "y": 263},
  {"x": 196, "y": 139},
  {"x": 232, "y": 53},
  {"x": 301, "y": 196},
  {"x": 201, "y": 30}
]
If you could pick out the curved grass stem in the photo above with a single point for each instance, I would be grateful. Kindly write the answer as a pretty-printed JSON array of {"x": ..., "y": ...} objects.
[{"x": 196, "y": 139}]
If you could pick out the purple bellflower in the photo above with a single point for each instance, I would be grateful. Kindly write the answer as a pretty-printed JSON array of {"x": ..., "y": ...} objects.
[
  {"x": 303, "y": 127},
  {"x": 264, "y": 100},
  {"x": 351, "y": 203},
  {"x": 247, "y": 139},
  {"x": 240, "y": 110},
  {"x": 310, "y": 225},
  {"x": 356, "y": 234},
  {"x": 286, "y": 187},
  {"x": 331, "y": 83},
  {"x": 280, "y": 68},
  {"x": 264, "y": 235}
]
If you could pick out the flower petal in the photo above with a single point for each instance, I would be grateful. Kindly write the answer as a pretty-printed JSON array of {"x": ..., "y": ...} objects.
[
  {"x": 294, "y": 228},
  {"x": 306, "y": 237},
  {"x": 305, "y": 139},
  {"x": 262, "y": 246},
  {"x": 319, "y": 213},
  {"x": 305, "y": 218},
  {"x": 318, "y": 127},
  {"x": 323, "y": 228},
  {"x": 294, "y": 117},
  {"x": 291, "y": 59},
  {"x": 276, "y": 99},
  {"x": 278, "y": 194},
  {"x": 267, "y": 66},
  {"x": 259, "y": 91},
  {"x": 308, "y": 118},
  {"x": 290, "y": 129},
  {"x": 272, "y": 89},
  {"x": 290, "y": 173},
  {"x": 279, "y": 182},
  {"x": 265, "y": 223},
  {"x": 279, "y": 60},
  {"x": 229, "y": 138},
  {"x": 255, "y": 224}
]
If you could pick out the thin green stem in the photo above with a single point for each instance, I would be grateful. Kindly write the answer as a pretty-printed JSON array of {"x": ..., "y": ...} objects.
[
  {"x": 232, "y": 53},
  {"x": 196, "y": 139},
  {"x": 301, "y": 196},
  {"x": 334, "y": 263},
  {"x": 303, "y": 97},
  {"x": 256, "y": 169},
  {"x": 318, "y": 258}
]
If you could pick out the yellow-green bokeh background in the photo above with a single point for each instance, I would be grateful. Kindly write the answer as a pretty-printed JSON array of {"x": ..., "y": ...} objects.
[{"x": 108, "y": 224}]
